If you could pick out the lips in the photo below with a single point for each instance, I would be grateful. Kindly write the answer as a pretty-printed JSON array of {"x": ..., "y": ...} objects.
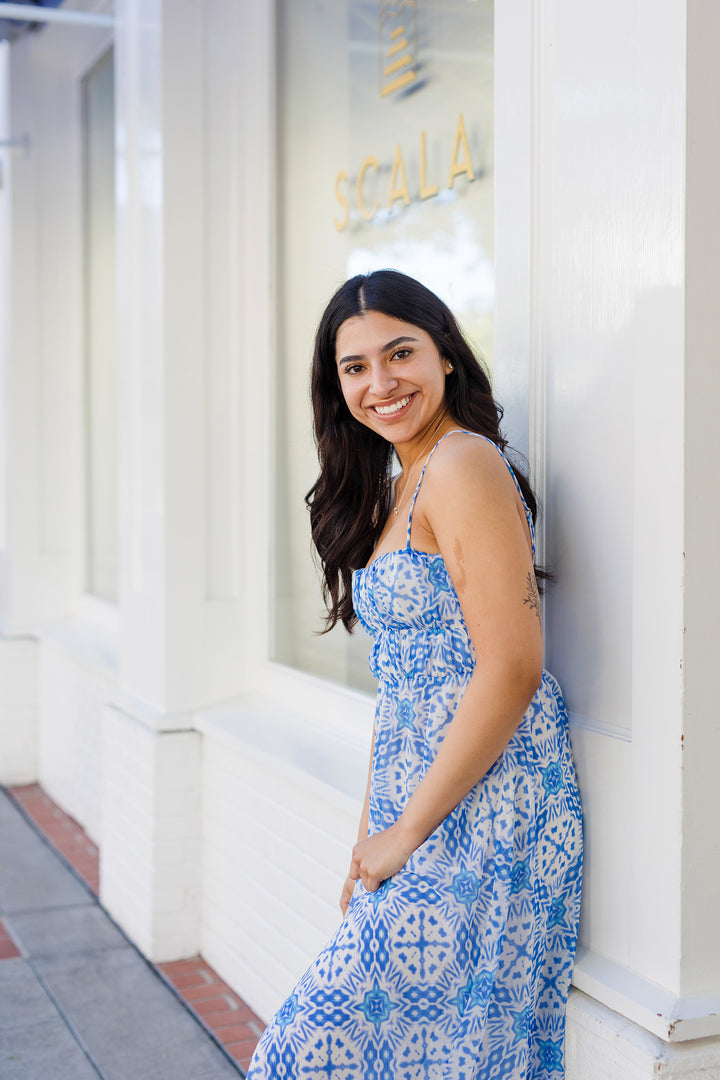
[{"x": 395, "y": 407}]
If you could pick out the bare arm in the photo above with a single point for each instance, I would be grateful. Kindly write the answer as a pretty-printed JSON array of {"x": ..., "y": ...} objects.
[
  {"x": 470, "y": 511},
  {"x": 349, "y": 884},
  {"x": 365, "y": 815}
]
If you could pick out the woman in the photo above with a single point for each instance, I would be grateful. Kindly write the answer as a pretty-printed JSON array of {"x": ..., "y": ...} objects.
[{"x": 454, "y": 957}]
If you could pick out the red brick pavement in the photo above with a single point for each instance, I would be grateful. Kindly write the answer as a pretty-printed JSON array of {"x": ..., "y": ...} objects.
[
  {"x": 233, "y": 1022},
  {"x": 62, "y": 831},
  {"x": 8, "y": 948}
]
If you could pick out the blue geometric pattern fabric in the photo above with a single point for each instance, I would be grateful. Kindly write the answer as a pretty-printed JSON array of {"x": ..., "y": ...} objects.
[{"x": 458, "y": 967}]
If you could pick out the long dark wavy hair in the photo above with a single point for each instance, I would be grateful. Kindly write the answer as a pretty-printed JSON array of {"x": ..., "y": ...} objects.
[{"x": 350, "y": 499}]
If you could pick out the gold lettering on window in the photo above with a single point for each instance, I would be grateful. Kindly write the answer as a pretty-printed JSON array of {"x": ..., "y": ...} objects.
[
  {"x": 398, "y": 180},
  {"x": 426, "y": 191},
  {"x": 343, "y": 200},
  {"x": 464, "y": 165},
  {"x": 368, "y": 163}
]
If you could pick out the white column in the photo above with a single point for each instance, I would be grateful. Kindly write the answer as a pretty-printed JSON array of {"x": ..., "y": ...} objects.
[
  {"x": 152, "y": 832},
  {"x": 180, "y": 354},
  {"x": 159, "y": 271},
  {"x": 160, "y": 277},
  {"x": 181, "y": 490}
]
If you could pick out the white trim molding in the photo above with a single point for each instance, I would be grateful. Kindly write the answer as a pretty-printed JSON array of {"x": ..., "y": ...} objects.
[
  {"x": 23, "y": 13},
  {"x": 671, "y": 1017}
]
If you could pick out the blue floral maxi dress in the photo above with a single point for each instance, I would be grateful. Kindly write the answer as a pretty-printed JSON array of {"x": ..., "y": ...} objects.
[{"x": 459, "y": 966}]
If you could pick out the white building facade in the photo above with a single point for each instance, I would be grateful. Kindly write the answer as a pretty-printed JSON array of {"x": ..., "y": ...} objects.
[{"x": 550, "y": 166}]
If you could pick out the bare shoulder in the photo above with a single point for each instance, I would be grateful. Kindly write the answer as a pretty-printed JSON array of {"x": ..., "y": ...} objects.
[
  {"x": 468, "y": 494},
  {"x": 464, "y": 462}
]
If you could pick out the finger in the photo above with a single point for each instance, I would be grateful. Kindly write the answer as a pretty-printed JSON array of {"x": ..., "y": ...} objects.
[
  {"x": 346, "y": 896},
  {"x": 371, "y": 883},
  {"x": 354, "y": 871}
]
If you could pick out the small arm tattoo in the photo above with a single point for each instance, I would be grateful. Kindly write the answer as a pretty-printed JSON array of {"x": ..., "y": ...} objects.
[
  {"x": 533, "y": 596},
  {"x": 462, "y": 579}
]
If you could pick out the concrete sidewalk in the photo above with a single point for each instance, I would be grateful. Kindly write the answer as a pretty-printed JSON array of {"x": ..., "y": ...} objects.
[{"x": 77, "y": 1001}]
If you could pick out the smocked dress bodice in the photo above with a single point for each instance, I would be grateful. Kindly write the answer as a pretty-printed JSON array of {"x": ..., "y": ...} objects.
[{"x": 406, "y": 601}]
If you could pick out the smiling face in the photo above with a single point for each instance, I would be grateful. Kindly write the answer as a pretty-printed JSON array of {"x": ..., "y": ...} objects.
[{"x": 391, "y": 375}]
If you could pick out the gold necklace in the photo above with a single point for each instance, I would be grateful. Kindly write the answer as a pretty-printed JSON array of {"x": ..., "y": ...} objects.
[{"x": 398, "y": 501}]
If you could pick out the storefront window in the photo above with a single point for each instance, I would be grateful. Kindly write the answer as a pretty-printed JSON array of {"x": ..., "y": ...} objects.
[
  {"x": 101, "y": 489},
  {"x": 385, "y": 117}
]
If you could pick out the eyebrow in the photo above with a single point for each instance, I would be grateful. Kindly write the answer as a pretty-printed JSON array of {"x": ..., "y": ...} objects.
[{"x": 384, "y": 348}]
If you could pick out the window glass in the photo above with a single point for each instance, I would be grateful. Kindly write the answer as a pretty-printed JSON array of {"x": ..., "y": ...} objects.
[
  {"x": 101, "y": 489},
  {"x": 385, "y": 115}
]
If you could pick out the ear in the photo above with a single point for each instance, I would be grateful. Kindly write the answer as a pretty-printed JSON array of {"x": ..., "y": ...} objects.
[{"x": 449, "y": 367}]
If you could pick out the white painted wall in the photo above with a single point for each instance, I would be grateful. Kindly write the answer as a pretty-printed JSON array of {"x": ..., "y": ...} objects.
[
  {"x": 275, "y": 847},
  {"x": 18, "y": 710},
  {"x": 76, "y": 676}
]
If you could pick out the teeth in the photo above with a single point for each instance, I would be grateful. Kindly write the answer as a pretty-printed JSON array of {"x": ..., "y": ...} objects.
[{"x": 385, "y": 410}]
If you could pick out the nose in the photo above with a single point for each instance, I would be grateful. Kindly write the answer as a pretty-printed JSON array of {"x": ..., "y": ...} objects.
[{"x": 383, "y": 381}]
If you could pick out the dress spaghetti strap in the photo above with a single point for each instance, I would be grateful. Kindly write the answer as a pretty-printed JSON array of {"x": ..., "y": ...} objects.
[{"x": 463, "y": 431}]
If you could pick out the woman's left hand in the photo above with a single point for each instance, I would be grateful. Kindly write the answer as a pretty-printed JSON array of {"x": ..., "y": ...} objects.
[{"x": 379, "y": 857}]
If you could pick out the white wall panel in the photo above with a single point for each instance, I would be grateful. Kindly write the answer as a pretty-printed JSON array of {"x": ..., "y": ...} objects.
[{"x": 590, "y": 157}]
